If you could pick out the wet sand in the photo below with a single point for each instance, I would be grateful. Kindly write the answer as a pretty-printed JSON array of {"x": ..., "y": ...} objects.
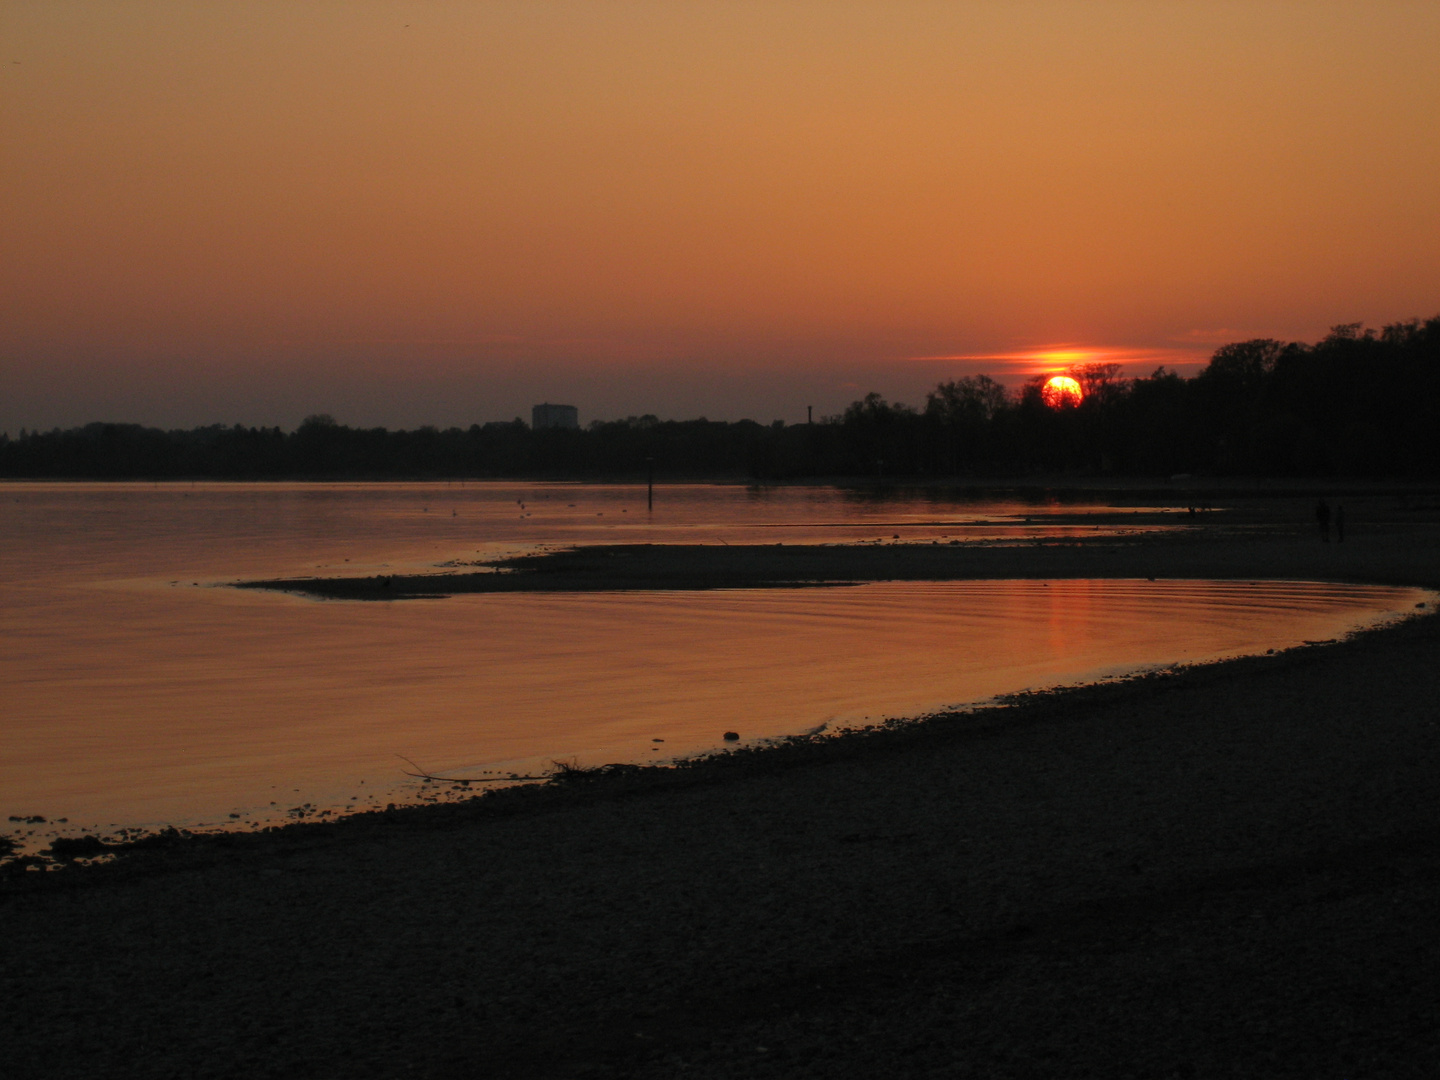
[{"x": 1227, "y": 871}]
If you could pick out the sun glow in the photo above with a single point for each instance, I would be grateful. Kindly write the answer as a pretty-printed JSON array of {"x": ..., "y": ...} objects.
[
  {"x": 1061, "y": 391},
  {"x": 1027, "y": 363}
]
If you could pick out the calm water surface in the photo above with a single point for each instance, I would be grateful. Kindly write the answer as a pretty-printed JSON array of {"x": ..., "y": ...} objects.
[{"x": 139, "y": 690}]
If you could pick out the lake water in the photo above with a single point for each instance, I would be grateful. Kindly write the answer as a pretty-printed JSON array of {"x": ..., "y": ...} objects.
[{"x": 139, "y": 690}]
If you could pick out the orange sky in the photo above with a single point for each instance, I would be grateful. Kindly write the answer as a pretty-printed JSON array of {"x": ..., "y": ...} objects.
[{"x": 407, "y": 213}]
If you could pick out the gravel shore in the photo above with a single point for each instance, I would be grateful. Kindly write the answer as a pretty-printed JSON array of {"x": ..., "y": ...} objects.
[{"x": 1228, "y": 871}]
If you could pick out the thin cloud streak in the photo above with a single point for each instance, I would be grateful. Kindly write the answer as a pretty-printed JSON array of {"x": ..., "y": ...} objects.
[{"x": 1054, "y": 358}]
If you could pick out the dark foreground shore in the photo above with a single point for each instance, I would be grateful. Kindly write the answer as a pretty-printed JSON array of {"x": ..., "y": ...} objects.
[{"x": 1232, "y": 871}]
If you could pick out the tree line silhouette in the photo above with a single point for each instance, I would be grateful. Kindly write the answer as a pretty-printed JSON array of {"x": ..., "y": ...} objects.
[{"x": 1357, "y": 403}]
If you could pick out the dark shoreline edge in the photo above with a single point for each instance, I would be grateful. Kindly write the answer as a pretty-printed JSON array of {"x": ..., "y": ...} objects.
[
  {"x": 171, "y": 849},
  {"x": 1263, "y": 547}
]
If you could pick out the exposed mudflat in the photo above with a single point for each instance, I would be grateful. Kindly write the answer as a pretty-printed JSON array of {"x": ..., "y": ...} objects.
[
  {"x": 1227, "y": 871},
  {"x": 1271, "y": 541}
]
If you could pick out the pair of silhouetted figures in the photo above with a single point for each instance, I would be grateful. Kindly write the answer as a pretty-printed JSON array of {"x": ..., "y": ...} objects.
[{"x": 1323, "y": 518}]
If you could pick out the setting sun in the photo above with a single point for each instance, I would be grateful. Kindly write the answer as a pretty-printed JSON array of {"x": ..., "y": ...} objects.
[{"x": 1060, "y": 391}]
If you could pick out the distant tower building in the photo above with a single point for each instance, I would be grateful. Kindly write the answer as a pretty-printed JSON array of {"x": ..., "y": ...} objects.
[{"x": 554, "y": 416}]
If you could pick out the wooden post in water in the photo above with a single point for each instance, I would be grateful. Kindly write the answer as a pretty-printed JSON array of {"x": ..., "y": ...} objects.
[{"x": 649, "y": 483}]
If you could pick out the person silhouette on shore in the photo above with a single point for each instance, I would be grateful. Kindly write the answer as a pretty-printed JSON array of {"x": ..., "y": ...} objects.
[
  {"x": 1322, "y": 518},
  {"x": 1340, "y": 524}
]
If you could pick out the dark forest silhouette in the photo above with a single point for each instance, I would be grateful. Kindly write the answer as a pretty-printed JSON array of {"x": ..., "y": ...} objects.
[{"x": 1358, "y": 403}]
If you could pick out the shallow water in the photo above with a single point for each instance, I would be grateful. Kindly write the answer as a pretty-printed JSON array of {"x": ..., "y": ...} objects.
[{"x": 139, "y": 690}]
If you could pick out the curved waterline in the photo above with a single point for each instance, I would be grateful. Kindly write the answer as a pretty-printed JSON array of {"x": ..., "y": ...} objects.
[{"x": 255, "y": 719}]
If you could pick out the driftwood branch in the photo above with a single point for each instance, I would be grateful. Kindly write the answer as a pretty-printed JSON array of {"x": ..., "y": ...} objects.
[{"x": 423, "y": 775}]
